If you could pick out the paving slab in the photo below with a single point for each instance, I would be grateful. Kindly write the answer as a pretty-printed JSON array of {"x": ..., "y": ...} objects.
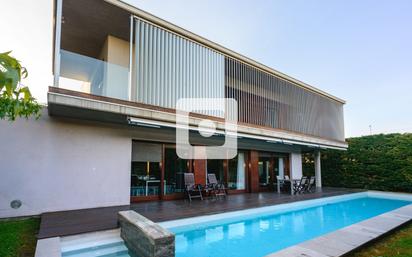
[
  {"x": 49, "y": 247},
  {"x": 350, "y": 237},
  {"x": 406, "y": 211},
  {"x": 380, "y": 222},
  {"x": 328, "y": 246},
  {"x": 297, "y": 251}
]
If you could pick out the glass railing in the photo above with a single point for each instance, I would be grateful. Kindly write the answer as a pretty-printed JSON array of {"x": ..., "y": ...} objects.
[{"x": 93, "y": 76}]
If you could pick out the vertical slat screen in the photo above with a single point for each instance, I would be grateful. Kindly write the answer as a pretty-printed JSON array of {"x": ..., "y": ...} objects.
[
  {"x": 266, "y": 100},
  {"x": 168, "y": 67}
]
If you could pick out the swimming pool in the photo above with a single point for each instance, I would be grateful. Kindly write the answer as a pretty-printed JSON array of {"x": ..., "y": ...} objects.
[{"x": 261, "y": 231}]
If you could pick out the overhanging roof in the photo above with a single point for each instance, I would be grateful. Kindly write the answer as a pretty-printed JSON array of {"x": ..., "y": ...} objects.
[
  {"x": 225, "y": 51},
  {"x": 158, "y": 117}
]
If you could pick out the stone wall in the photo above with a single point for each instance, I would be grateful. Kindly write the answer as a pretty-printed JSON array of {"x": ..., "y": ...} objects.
[{"x": 144, "y": 238}]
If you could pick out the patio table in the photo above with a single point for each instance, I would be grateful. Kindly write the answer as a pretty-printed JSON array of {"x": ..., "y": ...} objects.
[{"x": 154, "y": 181}]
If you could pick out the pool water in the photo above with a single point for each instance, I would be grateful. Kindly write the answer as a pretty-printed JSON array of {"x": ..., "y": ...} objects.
[
  {"x": 260, "y": 233},
  {"x": 264, "y": 235}
]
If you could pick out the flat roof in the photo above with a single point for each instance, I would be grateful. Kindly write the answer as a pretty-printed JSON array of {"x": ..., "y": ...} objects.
[{"x": 225, "y": 51}]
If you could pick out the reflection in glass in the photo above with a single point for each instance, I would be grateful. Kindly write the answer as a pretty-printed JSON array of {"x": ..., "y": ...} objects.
[
  {"x": 145, "y": 174},
  {"x": 264, "y": 175},
  {"x": 216, "y": 167},
  {"x": 175, "y": 168}
]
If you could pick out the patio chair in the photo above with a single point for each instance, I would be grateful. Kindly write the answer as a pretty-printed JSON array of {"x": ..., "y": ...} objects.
[
  {"x": 216, "y": 188},
  {"x": 299, "y": 186},
  {"x": 192, "y": 189},
  {"x": 310, "y": 185},
  {"x": 287, "y": 177}
]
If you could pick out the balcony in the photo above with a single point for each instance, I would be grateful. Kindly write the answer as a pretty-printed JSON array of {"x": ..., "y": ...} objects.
[
  {"x": 129, "y": 66},
  {"x": 93, "y": 76}
]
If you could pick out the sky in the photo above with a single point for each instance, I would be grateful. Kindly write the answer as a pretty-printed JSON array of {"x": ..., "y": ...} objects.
[{"x": 360, "y": 51}]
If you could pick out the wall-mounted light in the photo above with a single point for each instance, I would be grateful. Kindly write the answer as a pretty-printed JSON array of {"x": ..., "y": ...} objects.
[{"x": 15, "y": 204}]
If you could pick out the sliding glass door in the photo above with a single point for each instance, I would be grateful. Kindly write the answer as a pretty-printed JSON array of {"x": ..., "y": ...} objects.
[
  {"x": 216, "y": 167},
  {"x": 174, "y": 170},
  {"x": 146, "y": 169}
]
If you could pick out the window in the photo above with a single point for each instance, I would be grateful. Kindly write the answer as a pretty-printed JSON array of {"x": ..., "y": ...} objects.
[
  {"x": 175, "y": 168},
  {"x": 215, "y": 167},
  {"x": 146, "y": 169}
]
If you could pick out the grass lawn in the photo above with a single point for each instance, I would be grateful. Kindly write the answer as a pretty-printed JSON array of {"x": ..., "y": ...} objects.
[
  {"x": 397, "y": 244},
  {"x": 18, "y": 237}
]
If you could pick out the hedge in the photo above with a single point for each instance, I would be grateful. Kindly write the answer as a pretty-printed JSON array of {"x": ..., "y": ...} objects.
[{"x": 376, "y": 162}]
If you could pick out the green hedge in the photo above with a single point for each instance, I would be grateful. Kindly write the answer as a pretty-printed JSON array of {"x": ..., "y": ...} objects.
[{"x": 379, "y": 162}]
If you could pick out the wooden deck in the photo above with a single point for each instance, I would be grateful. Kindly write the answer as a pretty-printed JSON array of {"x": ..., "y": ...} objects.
[{"x": 88, "y": 220}]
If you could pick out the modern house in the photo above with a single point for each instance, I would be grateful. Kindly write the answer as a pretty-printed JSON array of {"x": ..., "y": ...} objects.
[{"x": 107, "y": 136}]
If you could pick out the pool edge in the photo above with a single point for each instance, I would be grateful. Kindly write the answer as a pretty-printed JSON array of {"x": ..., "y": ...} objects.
[
  {"x": 240, "y": 214},
  {"x": 350, "y": 238}
]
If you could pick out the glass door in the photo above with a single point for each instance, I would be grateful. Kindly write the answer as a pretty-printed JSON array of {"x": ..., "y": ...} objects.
[
  {"x": 264, "y": 171},
  {"x": 174, "y": 169},
  {"x": 145, "y": 170},
  {"x": 214, "y": 166}
]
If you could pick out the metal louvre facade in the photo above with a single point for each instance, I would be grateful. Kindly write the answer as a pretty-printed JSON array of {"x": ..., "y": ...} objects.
[
  {"x": 168, "y": 67},
  {"x": 269, "y": 101}
]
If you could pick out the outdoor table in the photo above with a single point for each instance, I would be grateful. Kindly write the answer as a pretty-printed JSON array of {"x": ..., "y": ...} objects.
[{"x": 154, "y": 181}]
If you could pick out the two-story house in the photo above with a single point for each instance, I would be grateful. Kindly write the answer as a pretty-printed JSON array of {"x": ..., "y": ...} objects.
[{"x": 107, "y": 135}]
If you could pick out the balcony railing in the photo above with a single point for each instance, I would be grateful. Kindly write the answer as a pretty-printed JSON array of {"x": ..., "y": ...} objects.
[{"x": 93, "y": 76}]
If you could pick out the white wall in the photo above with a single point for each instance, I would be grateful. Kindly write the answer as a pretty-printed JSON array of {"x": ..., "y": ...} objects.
[
  {"x": 53, "y": 165},
  {"x": 296, "y": 165}
]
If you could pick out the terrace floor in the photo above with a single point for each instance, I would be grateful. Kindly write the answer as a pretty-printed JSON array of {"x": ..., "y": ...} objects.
[{"x": 87, "y": 220}]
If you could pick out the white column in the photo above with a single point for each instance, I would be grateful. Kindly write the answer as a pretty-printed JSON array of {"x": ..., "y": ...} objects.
[
  {"x": 295, "y": 165},
  {"x": 295, "y": 168},
  {"x": 318, "y": 170},
  {"x": 57, "y": 39}
]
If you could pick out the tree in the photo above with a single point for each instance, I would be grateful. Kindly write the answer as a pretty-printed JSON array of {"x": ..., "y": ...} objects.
[{"x": 15, "y": 99}]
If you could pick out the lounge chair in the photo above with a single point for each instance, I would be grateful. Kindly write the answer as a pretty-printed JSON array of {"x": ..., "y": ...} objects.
[
  {"x": 216, "y": 188},
  {"x": 192, "y": 189}
]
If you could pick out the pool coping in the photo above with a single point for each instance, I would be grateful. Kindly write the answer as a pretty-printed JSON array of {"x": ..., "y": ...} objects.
[{"x": 350, "y": 238}]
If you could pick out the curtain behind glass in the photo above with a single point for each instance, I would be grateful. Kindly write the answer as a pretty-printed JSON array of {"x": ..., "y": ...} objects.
[{"x": 240, "y": 181}]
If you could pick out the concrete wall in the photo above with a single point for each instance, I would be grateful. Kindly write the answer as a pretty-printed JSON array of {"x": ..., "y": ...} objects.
[
  {"x": 296, "y": 165},
  {"x": 54, "y": 164}
]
